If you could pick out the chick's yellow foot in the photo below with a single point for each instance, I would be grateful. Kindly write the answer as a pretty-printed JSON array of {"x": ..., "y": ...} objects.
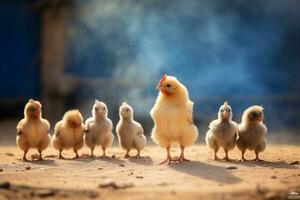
[{"x": 169, "y": 160}]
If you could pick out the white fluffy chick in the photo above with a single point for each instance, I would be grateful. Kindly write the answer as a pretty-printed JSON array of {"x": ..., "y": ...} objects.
[
  {"x": 33, "y": 130},
  {"x": 99, "y": 128},
  {"x": 252, "y": 131},
  {"x": 222, "y": 132},
  {"x": 68, "y": 133},
  {"x": 172, "y": 114},
  {"x": 130, "y": 133}
]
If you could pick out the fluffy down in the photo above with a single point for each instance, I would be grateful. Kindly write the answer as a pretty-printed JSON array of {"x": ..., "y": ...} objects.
[
  {"x": 68, "y": 133},
  {"x": 222, "y": 132},
  {"x": 99, "y": 128},
  {"x": 33, "y": 130},
  {"x": 252, "y": 131},
  {"x": 130, "y": 133},
  {"x": 172, "y": 114}
]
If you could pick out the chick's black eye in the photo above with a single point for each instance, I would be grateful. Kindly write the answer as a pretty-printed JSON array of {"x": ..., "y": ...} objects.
[
  {"x": 229, "y": 110},
  {"x": 127, "y": 109},
  {"x": 103, "y": 108},
  {"x": 168, "y": 85}
]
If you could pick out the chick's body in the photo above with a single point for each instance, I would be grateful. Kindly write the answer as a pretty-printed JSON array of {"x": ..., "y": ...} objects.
[
  {"x": 68, "y": 133},
  {"x": 252, "y": 131},
  {"x": 222, "y": 132},
  {"x": 99, "y": 128},
  {"x": 173, "y": 117},
  {"x": 33, "y": 130},
  {"x": 130, "y": 133}
]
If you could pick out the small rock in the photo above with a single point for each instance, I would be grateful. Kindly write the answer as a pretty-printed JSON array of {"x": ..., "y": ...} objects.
[
  {"x": 296, "y": 162},
  {"x": 122, "y": 165},
  {"x": 273, "y": 177},
  {"x": 45, "y": 193},
  {"x": 9, "y": 154},
  {"x": 231, "y": 168},
  {"x": 27, "y": 167},
  {"x": 113, "y": 156},
  {"x": 114, "y": 185},
  {"x": 162, "y": 184},
  {"x": 100, "y": 168},
  {"x": 139, "y": 177},
  {"x": 5, "y": 185},
  {"x": 1, "y": 170}
]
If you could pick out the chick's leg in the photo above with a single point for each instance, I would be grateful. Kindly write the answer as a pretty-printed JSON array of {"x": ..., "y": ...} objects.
[
  {"x": 256, "y": 157},
  {"x": 60, "y": 154},
  {"x": 104, "y": 154},
  {"x": 181, "y": 157},
  {"x": 24, "y": 156},
  {"x": 169, "y": 159},
  {"x": 76, "y": 153},
  {"x": 243, "y": 156},
  {"x": 127, "y": 153},
  {"x": 40, "y": 158},
  {"x": 138, "y": 155},
  {"x": 92, "y": 152},
  {"x": 216, "y": 154},
  {"x": 226, "y": 155}
]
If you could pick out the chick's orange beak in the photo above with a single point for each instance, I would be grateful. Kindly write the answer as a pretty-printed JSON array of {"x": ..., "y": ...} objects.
[{"x": 160, "y": 83}]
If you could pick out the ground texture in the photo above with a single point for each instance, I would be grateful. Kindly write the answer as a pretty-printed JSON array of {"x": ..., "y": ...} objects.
[{"x": 113, "y": 178}]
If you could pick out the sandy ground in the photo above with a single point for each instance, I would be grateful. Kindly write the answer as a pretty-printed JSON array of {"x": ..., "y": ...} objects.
[{"x": 144, "y": 178}]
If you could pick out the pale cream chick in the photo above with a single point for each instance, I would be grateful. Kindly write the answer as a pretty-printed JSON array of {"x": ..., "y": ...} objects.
[
  {"x": 130, "y": 133},
  {"x": 252, "y": 131},
  {"x": 68, "y": 133},
  {"x": 172, "y": 114},
  {"x": 33, "y": 130},
  {"x": 99, "y": 128},
  {"x": 222, "y": 132}
]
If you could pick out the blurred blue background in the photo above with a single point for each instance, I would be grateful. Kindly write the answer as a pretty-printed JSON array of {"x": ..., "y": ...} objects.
[{"x": 67, "y": 53}]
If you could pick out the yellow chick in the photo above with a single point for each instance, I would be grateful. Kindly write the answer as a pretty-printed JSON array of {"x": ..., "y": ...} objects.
[
  {"x": 252, "y": 131},
  {"x": 33, "y": 130},
  {"x": 172, "y": 114},
  {"x": 68, "y": 133},
  {"x": 99, "y": 128},
  {"x": 222, "y": 132},
  {"x": 130, "y": 132}
]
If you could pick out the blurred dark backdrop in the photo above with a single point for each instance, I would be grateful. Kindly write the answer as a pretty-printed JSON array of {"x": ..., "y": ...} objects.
[{"x": 67, "y": 53}]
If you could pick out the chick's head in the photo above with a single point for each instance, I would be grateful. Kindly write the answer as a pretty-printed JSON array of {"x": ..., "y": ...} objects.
[
  {"x": 126, "y": 111},
  {"x": 254, "y": 114},
  {"x": 99, "y": 109},
  {"x": 168, "y": 85},
  {"x": 73, "y": 119},
  {"x": 33, "y": 109},
  {"x": 225, "y": 112}
]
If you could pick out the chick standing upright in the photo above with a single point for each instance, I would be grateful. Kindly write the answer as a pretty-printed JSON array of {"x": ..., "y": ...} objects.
[
  {"x": 68, "y": 133},
  {"x": 222, "y": 132},
  {"x": 33, "y": 130},
  {"x": 172, "y": 114},
  {"x": 99, "y": 128},
  {"x": 130, "y": 133},
  {"x": 252, "y": 131}
]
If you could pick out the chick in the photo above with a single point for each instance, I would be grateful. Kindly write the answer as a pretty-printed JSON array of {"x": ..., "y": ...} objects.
[
  {"x": 130, "y": 133},
  {"x": 33, "y": 130},
  {"x": 252, "y": 131},
  {"x": 68, "y": 133},
  {"x": 222, "y": 132},
  {"x": 172, "y": 114},
  {"x": 99, "y": 128}
]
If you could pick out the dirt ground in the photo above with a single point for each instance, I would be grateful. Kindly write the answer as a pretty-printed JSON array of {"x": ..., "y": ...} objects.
[
  {"x": 118, "y": 178},
  {"x": 144, "y": 178}
]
